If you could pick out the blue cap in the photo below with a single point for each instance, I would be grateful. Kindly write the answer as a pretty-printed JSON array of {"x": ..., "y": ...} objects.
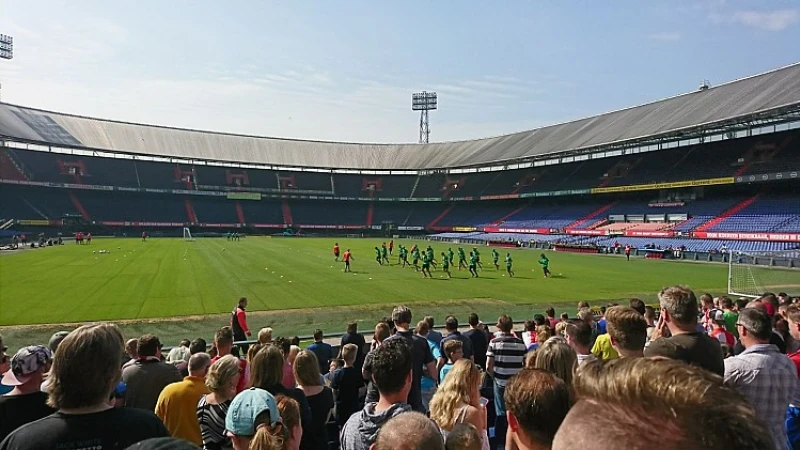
[{"x": 245, "y": 407}]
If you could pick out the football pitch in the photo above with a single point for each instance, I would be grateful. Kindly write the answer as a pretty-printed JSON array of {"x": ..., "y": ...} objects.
[{"x": 184, "y": 289}]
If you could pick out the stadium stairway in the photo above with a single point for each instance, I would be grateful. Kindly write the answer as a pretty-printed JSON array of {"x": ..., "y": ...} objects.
[
  {"x": 240, "y": 212},
  {"x": 729, "y": 212},
  {"x": 77, "y": 203},
  {"x": 287, "y": 212},
  {"x": 190, "y": 210},
  {"x": 507, "y": 216},
  {"x": 590, "y": 216},
  {"x": 439, "y": 217},
  {"x": 9, "y": 169}
]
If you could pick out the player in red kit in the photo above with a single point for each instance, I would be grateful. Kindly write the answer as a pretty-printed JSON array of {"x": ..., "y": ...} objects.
[
  {"x": 144, "y": 236},
  {"x": 88, "y": 238},
  {"x": 336, "y": 251},
  {"x": 347, "y": 257},
  {"x": 628, "y": 252},
  {"x": 391, "y": 246}
]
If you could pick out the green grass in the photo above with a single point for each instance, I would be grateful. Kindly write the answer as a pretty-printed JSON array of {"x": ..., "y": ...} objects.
[{"x": 197, "y": 281}]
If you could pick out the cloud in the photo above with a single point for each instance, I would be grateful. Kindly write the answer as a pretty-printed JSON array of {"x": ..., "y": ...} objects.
[
  {"x": 672, "y": 36},
  {"x": 768, "y": 20}
]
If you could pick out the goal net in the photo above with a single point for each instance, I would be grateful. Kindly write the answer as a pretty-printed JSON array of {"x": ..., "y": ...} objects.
[
  {"x": 752, "y": 274},
  {"x": 187, "y": 235}
]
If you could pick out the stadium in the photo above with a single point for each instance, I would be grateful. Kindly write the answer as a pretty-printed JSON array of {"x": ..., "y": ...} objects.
[{"x": 707, "y": 176}]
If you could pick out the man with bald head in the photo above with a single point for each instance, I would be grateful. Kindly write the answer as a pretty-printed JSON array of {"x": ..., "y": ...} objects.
[
  {"x": 177, "y": 403},
  {"x": 663, "y": 404},
  {"x": 131, "y": 351},
  {"x": 409, "y": 431}
]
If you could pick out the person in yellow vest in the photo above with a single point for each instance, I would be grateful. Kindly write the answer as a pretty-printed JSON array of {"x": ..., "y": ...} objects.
[{"x": 177, "y": 403}]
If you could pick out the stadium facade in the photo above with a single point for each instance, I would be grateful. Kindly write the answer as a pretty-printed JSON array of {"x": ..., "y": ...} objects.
[{"x": 716, "y": 164}]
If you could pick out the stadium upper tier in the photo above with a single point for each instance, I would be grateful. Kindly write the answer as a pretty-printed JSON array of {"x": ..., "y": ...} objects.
[{"x": 737, "y": 101}]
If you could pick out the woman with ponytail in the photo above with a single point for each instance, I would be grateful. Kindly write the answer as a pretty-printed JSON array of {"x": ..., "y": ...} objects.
[{"x": 254, "y": 421}]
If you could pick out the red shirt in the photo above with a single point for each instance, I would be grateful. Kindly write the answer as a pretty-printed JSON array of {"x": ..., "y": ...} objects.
[
  {"x": 336, "y": 249},
  {"x": 724, "y": 336},
  {"x": 241, "y": 317},
  {"x": 391, "y": 244},
  {"x": 89, "y": 236},
  {"x": 795, "y": 357},
  {"x": 347, "y": 256}
]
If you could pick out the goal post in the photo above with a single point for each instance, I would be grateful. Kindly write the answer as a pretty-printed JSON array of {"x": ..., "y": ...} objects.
[
  {"x": 752, "y": 274},
  {"x": 187, "y": 234}
]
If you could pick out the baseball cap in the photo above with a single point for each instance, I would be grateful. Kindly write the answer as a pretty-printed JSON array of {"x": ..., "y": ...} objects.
[
  {"x": 25, "y": 362},
  {"x": 718, "y": 316},
  {"x": 56, "y": 339},
  {"x": 245, "y": 407}
]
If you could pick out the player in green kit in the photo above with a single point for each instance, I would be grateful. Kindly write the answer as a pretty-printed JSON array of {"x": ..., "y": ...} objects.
[
  {"x": 545, "y": 263},
  {"x": 446, "y": 264},
  {"x": 431, "y": 259},
  {"x": 462, "y": 258},
  {"x": 473, "y": 265},
  {"x": 426, "y": 266},
  {"x": 477, "y": 257},
  {"x": 404, "y": 256},
  {"x": 495, "y": 259},
  {"x": 384, "y": 254},
  {"x": 399, "y": 254},
  {"x": 509, "y": 262},
  {"x": 415, "y": 259},
  {"x": 450, "y": 255},
  {"x": 378, "y": 256}
]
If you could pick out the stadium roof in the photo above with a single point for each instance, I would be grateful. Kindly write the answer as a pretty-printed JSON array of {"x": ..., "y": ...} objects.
[{"x": 759, "y": 94}]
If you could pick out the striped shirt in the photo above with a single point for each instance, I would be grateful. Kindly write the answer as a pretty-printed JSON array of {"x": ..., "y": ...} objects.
[
  {"x": 508, "y": 355},
  {"x": 212, "y": 424}
]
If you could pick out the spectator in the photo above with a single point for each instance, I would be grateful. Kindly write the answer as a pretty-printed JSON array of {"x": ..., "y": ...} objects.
[
  {"x": 579, "y": 336},
  {"x": 793, "y": 317},
  {"x": 335, "y": 365},
  {"x": 393, "y": 376},
  {"x": 679, "y": 316},
  {"x": 420, "y": 352},
  {"x": 322, "y": 350},
  {"x": 543, "y": 333},
  {"x": 718, "y": 330},
  {"x": 657, "y": 404},
  {"x": 451, "y": 326},
  {"x": 627, "y": 331},
  {"x": 355, "y": 338},
  {"x": 148, "y": 375},
  {"x": 564, "y": 317},
  {"x": 528, "y": 334},
  {"x": 289, "y": 410},
  {"x": 602, "y": 347},
  {"x": 587, "y": 316},
  {"x": 177, "y": 403},
  {"x": 221, "y": 381},
  {"x": 410, "y": 431},
  {"x": 223, "y": 341},
  {"x": 459, "y": 400},
  {"x": 179, "y": 354},
  {"x": 638, "y": 306},
  {"x": 347, "y": 382},
  {"x": 253, "y": 421},
  {"x": 319, "y": 397},
  {"x": 5, "y": 364},
  {"x": 650, "y": 318},
  {"x": 163, "y": 443},
  {"x": 265, "y": 335},
  {"x": 556, "y": 357},
  {"x": 560, "y": 328},
  {"x": 267, "y": 373},
  {"x": 196, "y": 346},
  {"x": 26, "y": 402},
  {"x": 131, "y": 352},
  {"x": 505, "y": 357},
  {"x": 86, "y": 369},
  {"x": 295, "y": 341},
  {"x": 601, "y": 323},
  {"x": 427, "y": 385},
  {"x": 478, "y": 339},
  {"x": 550, "y": 312},
  {"x": 433, "y": 335},
  {"x": 775, "y": 338},
  {"x": 453, "y": 351},
  {"x": 537, "y": 402},
  {"x": 239, "y": 324},
  {"x": 381, "y": 334},
  {"x": 294, "y": 350},
  {"x": 464, "y": 436},
  {"x": 55, "y": 340},
  {"x": 765, "y": 377},
  {"x": 729, "y": 315}
]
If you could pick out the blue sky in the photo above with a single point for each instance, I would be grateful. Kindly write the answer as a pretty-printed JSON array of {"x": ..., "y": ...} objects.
[{"x": 345, "y": 70}]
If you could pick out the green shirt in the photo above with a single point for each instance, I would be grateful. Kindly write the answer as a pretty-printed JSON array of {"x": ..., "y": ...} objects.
[
  {"x": 730, "y": 322},
  {"x": 544, "y": 262},
  {"x": 509, "y": 261},
  {"x": 461, "y": 254},
  {"x": 377, "y": 253},
  {"x": 473, "y": 260},
  {"x": 383, "y": 251},
  {"x": 495, "y": 255},
  {"x": 445, "y": 261}
]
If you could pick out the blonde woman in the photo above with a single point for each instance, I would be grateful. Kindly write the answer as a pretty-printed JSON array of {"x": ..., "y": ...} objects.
[
  {"x": 556, "y": 357},
  {"x": 458, "y": 400},
  {"x": 221, "y": 380},
  {"x": 320, "y": 397}
]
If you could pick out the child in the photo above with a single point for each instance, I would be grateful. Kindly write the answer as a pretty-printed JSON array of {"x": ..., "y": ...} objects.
[
  {"x": 718, "y": 330},
  {"x": 464, "y": 436},
  {"x": 453, "y": 351},
  {"x": 335, "y": 365},
  {"x": 347, "y": 382}
]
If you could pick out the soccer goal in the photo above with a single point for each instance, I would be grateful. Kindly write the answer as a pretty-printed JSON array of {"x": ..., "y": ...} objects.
[
  {"x": 752, "y": 274},
  {"x": 187, "y": 234}
]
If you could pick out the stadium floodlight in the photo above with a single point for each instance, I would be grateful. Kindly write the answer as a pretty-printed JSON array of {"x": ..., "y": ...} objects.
[
  {"x": 424, "y": 102},
  {"x": 6, "y": 47}
]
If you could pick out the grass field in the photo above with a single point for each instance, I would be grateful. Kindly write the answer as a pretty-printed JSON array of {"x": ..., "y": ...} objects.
[{"x": 196, "y": 283}]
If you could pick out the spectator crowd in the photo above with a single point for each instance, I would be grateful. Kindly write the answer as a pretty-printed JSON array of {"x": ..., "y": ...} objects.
[{"x": 707, "y": 373}]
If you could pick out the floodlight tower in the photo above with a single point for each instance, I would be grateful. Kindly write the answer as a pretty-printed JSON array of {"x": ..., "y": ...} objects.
[
  {"x": 6, "y": 47},
  {"x": 424, "y": 102}
]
